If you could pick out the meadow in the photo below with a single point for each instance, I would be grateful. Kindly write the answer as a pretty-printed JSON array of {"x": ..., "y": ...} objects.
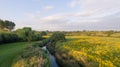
[
  {"x": 71, "y": 49},
  {"x": 90, "y": 51}
]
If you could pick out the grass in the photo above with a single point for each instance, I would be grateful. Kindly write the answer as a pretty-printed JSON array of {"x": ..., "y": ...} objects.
[
  {"x": 32, "y": 56},
  {"x": 9, "y": 51},
  {"x": 92, "y": 51}
]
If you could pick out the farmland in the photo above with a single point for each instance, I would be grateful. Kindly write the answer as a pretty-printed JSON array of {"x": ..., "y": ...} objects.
[{"x": 89, "y": 51}]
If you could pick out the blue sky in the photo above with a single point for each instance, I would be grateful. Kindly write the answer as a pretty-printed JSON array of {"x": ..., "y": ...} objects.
[{"x": 62, "y": 15}]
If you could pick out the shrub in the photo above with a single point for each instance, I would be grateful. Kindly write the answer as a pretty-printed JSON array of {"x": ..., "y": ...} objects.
[
  {"x": 57, "y": 36},
  {"x": 8, "y": 37},
  {"x": 27, "y": 34},
  {"x": 1, "y": 39}
]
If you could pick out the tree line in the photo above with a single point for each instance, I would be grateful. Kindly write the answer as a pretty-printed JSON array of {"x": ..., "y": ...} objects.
[{"x": 24, "y": 34}]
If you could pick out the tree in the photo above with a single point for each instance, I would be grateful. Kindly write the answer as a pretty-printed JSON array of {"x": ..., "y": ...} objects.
[
  {"x": 9, "y": 25},
  {"x": 43, "y": 33},
  {"x": 6, "y": 25},
  {"x": 25, "y": 33},
  {"x": 1, "y": 24}
]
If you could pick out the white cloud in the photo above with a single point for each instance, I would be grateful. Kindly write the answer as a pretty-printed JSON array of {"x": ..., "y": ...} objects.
[
  {"x": 94, "y": 14},
  {"x": 39, "y": 12},
  {"x": 45, "y": 9},
  {"x": 99, "y": 6},
  {"x": 75, "y": 3},
  {"x": 48, "y": 7}
]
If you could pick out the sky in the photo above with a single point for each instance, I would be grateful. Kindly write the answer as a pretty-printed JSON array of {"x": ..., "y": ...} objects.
[{"x": 62, "y": 15}]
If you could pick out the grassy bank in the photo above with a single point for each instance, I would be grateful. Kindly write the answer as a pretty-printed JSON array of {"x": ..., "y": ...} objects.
[
  {"x": 32, "y": 56},
  {"x": 9, "y": 51}
]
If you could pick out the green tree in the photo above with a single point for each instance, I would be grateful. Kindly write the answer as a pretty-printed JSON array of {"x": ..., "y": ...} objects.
[
  {"x": 6, "y": 25},
  {"x": 25, "y": 33},
  {"x": 9, "y": 25},
  {"x": 1, "y": 24},
  {"x": 43, "y": 33}
]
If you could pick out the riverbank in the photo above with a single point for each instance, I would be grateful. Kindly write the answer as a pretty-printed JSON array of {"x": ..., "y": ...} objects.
[
  {"x": 9, "y": 51},
  {"x": 32, "y": 56},
  {"x": 23, "y": 53},
  {"x": 62, "y": 57},
  {"x": 52, "y": 57}
]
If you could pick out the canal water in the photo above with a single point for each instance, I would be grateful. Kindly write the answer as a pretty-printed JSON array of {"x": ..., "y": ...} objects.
[{"x": 52, "y": 57}]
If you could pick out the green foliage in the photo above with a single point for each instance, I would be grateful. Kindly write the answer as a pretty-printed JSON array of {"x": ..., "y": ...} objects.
[
  {"x": 8, "y": 37},
  {"x": 1, "y": 24},
  {"x": 27, "y": 34},
  {"x": 43, "y": 33},
  {"x": 1, "y": 38},
  {"x": 7, "y": 25},
  {"x": 57, "y": 36},
  {"x": 44, "y": 42}
]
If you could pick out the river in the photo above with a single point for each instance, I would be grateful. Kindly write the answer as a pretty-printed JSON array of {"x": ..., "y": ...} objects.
[{"x": 52, "y": 57}]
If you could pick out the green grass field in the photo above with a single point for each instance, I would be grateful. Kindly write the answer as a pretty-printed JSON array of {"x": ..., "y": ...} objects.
[{"x": 9, "y": 51}]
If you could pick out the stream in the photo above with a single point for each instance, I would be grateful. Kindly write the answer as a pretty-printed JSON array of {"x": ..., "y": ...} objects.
[{"x": 52, "y": 57}]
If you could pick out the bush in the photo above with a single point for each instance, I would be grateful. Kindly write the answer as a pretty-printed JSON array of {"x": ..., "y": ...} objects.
[
  {"x": 8, "y": 38},
  {"x": 1, "y": 38},
  {"x": 57, "y": 36},
  {"x": 27, "y": 34}
]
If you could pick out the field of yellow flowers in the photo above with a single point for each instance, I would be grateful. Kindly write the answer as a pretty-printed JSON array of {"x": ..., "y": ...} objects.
[{"x": 93, "y": 51}]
